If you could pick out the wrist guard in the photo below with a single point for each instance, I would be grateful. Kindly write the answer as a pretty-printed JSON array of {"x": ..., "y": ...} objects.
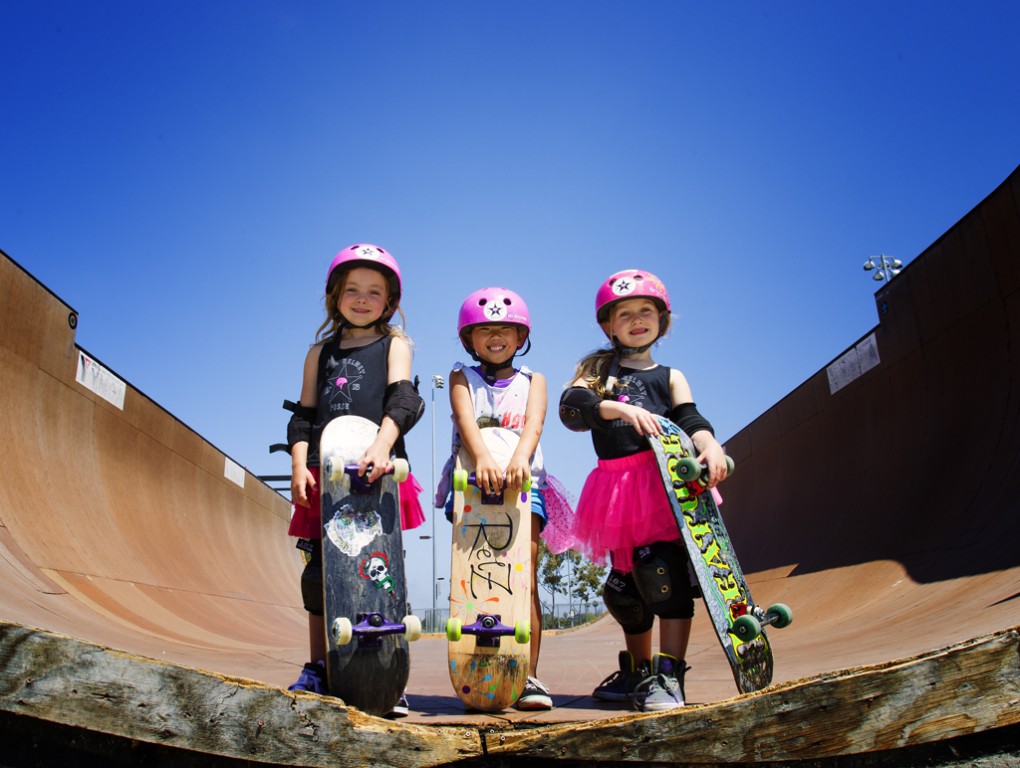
[
  {"x": 686, "y": 417},
  {"x": 579, "y": 410},
  {"x": 403, "y": 404}
]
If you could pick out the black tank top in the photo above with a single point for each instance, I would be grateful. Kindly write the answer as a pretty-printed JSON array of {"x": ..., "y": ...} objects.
[
  {"x": 646, "y": 389},
  {"x": 351, "y": 382}
]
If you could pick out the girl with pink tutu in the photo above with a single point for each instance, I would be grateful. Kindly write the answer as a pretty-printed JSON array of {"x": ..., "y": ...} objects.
[
  {"x": 493, "y": 325},
  {"x": 623, "y": 516}
]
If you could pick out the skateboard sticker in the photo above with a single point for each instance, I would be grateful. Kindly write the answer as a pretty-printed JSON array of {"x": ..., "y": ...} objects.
[
  {"x": 376, "y": 569},
  {"x": 351, "y": 530}
]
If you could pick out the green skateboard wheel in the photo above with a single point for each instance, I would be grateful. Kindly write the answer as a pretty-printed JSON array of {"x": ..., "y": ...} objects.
[
  {"x": 453, "y": 633},
  {"x": 747, "y": 627},
  {"x": 522, "y": 632},
  {"x": 688, "y": 469},
  {"x": 781, "y": 615},
  {"x": 460, "y": 479}
]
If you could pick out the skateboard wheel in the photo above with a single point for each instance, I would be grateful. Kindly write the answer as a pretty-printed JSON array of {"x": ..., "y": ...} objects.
[
  {"x": 333, "y": 469},
  {"x": 453, "y": 633},
  {"x": 460, "y": 479},
  {"x": 412, "y": 627},
  {"x": 781, "y": 615},
  {"x": 688, "y": 469},
  {"x": 522, "y": 632},
  {"x": 747, "y": 628},
  {"x": 343, "y": 632},
  {"x": 401, "y": 470},
  {"x": 526, "y": 485}
]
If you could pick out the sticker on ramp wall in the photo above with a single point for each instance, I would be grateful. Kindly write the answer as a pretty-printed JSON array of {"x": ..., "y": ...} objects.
[
  {"x": 233, "y": 471},
  {"x": 853, "y": 364},
  {"x": 96, "y": 378}
]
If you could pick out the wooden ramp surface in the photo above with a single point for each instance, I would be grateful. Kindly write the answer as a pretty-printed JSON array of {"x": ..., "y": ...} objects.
[{"x": 880, "y": 499}]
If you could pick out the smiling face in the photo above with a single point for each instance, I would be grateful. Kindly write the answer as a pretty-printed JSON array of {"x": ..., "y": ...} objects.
[
  {"x": 633, "y": 322},
  {"x": 364, "y": 297},
  {"x": 496, "y": 344}
]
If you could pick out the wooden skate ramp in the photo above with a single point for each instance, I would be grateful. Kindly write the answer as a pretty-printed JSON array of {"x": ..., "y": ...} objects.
[{"x": 149, "y": 593}]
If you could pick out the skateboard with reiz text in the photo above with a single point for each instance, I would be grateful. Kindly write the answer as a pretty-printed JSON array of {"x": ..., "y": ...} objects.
[
  {"x": 365, "y": 592},
  {"x": 489, "y": 629},
  {"x": 739, "y": 622}
]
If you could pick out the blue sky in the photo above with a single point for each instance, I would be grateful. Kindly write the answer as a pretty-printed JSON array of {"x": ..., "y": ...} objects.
[{"x": 182, "y": 173}]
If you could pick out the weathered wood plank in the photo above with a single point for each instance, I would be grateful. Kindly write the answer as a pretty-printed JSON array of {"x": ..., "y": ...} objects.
[
  {"x": 63, "y": 680},
  {"x": 967, "y": 688}
]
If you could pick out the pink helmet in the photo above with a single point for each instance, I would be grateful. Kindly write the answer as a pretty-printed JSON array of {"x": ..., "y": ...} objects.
[
  {"x": 492, "y": 306},
  {"x": 632, "y": 284},
  {"x": 629, "y": 284},
  {"x": 373, "y": 257}
]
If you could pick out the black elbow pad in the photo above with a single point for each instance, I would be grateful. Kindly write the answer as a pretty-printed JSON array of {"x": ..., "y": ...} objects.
[
  {"x": 299, "y": 428},
  {"x": 579, "y": 410},
  {"x": 403, "y": 404},
  {"x": 686, "y": 417}
]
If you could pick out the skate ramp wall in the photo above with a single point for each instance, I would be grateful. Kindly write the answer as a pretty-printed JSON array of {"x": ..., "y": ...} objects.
[
  {"x": 118, "y": 523},
  {"x": 885, "y": 491}
]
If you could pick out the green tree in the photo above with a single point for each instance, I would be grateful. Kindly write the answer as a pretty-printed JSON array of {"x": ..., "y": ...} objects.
[{"x": 569, "y": 576}]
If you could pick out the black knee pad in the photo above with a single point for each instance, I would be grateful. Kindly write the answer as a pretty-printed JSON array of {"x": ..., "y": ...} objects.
[
  {"x": 311, "y": 579},
  {"x": 663, "y": 579},
  {"x": 625, "y": 604}
]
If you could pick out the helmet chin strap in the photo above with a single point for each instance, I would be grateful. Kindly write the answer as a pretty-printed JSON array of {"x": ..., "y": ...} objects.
[
  {"x": 622, "y": 351},
  {"x": 489, "y": 370}
]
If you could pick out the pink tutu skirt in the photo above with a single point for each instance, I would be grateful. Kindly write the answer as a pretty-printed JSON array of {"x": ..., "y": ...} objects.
[
  {"x": 622, "y": 506},
  {"x": 558, "y": 533},
  {"x": 305, "y": 522}
]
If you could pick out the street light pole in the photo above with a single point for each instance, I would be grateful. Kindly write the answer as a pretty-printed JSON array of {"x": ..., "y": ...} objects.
[
  {"x": 886, "y": 268},
  {"x": 437, "y": 383}
]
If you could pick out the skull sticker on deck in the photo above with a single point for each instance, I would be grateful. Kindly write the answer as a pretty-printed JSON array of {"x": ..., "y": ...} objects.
[{"x": 376, "y": 569}]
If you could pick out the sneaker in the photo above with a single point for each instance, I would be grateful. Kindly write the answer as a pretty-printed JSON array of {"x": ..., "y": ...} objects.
[
  {"x": 535, "y": 696},
  {"x": 620, "y": 685},
  {"x": 313, "y": 678},
  {"x": 401, "y": 708},
  {"x": 664, "y": 688}
]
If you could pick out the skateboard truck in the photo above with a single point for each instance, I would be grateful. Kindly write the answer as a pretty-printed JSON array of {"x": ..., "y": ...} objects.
[
  {"x": 372, "y": 628},
  {"x": 461, "y": 480},
  {"x": 748, "y": 621},
  {"x": 359, "y": 483},
  {"x": 488, "y": 628}
]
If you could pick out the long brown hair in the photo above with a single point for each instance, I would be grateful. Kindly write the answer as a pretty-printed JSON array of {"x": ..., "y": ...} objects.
[{"x": 593, "y": 370}]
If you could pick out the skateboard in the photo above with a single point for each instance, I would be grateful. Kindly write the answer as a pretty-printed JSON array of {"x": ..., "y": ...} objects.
[
  {"x": 738, "y": 621},
  {"x": 489, "y": 629},
  {"x": 367, "y": 629}
]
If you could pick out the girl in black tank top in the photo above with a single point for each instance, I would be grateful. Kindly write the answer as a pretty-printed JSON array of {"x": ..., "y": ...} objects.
[
  {"x": 359, "y": 355},
  {"x": 623, "y": 516}
]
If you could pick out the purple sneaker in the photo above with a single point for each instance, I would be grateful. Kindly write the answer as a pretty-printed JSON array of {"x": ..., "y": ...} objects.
[{"x": 313, "y": 679}]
